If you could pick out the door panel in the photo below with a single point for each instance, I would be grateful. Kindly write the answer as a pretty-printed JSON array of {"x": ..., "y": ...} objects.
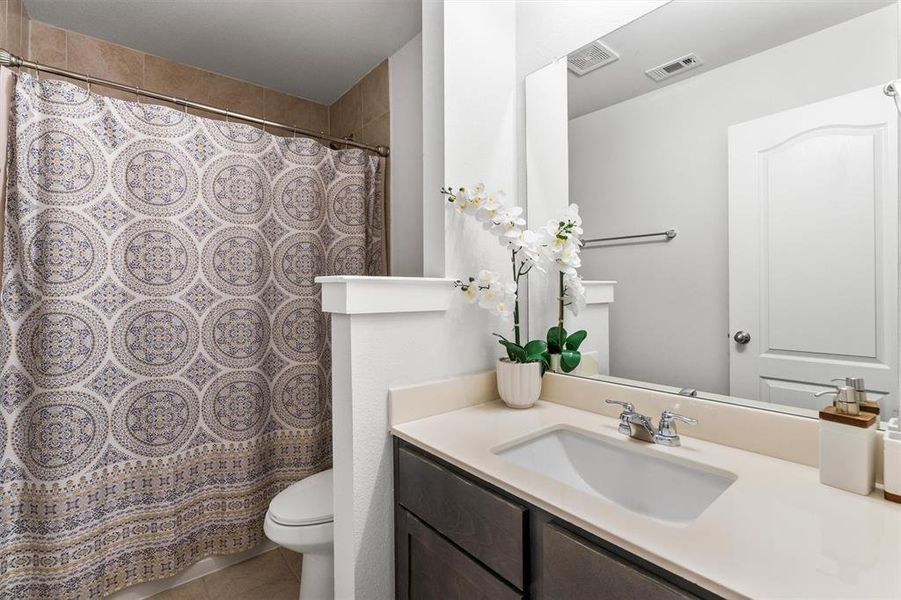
[
  {"x": 813, "y": 249},
  {"x": 432, "y": 568}
]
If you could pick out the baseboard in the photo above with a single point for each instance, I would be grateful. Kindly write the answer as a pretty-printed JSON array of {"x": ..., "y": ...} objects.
[{"x": 201, "y": 568}]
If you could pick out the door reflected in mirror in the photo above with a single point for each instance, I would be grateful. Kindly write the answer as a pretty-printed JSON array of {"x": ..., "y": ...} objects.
[{"x": 759, "y": 134}]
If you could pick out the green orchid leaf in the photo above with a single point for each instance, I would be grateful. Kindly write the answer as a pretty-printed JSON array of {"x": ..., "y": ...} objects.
[
  {"x": 515, "y": 352},
  {"x": 556, "y": 339},
  {"x": 569, "y": 360},
  {"x": 575, "y": 340},
  {"x": 536, "y": 347},
  {"x": 543, "y": 358}
]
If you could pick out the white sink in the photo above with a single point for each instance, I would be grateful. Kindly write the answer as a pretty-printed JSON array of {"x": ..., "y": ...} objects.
[{"x": 628, "y": 473}]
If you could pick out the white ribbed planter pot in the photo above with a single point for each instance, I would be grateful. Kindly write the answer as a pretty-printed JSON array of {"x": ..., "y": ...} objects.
[{"x": 519, "y": 384}]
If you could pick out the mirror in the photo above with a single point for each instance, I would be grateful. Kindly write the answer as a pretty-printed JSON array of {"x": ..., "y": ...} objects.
[{"x": 750, "y": 150}]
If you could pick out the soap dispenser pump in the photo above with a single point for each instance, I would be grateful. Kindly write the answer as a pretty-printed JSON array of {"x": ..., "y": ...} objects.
[
  {"x": 846, "y": 399},
  {"x": 859, "y": 388}
]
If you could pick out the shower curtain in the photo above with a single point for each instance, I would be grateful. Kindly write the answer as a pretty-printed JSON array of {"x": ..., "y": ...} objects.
[{"x": 164, "y": 362}]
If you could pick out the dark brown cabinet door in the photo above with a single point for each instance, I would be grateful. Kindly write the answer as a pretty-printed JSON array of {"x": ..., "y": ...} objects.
[
  {"x": 485, "y": 525},
  {"x": 431, "y": 568},
  {"x": 574, "y": 568}
]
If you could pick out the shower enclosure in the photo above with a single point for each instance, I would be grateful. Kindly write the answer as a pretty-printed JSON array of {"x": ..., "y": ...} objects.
[{"x": 164, "y": 362}]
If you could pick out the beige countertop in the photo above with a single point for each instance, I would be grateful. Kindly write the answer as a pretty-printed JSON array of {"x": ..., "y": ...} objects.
[{"x": 776, "y": 532}]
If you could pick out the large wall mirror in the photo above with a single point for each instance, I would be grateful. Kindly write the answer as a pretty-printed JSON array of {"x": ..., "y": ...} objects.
[{"x": 758, "y": 135}]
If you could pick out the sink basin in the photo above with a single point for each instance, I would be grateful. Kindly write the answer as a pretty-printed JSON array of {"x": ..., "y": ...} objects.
[{"x": 666, "y": 488}]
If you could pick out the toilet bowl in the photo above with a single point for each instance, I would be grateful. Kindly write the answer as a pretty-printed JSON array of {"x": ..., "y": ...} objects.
[{"x": 300, "y": 519}]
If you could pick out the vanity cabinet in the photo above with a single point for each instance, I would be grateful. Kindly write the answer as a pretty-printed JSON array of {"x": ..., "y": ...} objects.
[
  {"x": 458, "y": 537},
  {"x": 575, "y": 568}
]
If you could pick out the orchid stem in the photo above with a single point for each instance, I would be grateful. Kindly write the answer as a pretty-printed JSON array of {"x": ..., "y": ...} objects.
[
  {"x": 516, "y": 301},
  {"x": 560, "y": 339}
]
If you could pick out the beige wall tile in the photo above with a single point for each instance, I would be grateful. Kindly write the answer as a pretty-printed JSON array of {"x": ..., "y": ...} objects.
[
  {"x": 14, "y": 12},
  {"x": 4, "y": 34},
  {"x": 378, "y": 131},
  {"x": 99, "y": 58},
  {"x": 51, "y": 45},
  {"x": 295, "y": 111},
  {"x": 172, "y": 78},
  {"x": 231, "y": 94},
  {"x": 345, "y": 115},
  {"x": 374, "y": 88},
  {"x": 47, "y": 44}
]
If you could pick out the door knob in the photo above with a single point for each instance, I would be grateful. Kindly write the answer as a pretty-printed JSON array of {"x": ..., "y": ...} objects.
[{"x": 742, "y": 337}]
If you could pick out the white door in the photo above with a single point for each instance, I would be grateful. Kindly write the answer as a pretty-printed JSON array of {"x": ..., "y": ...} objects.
[{"x": 813, "y": 251}]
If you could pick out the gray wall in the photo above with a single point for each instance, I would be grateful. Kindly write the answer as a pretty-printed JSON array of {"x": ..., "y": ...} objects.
[{"x": 660, "y": 161}]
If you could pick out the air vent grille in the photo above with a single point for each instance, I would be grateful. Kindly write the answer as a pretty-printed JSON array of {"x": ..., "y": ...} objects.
[
  {"x": 590, "y": 57},
  {"x": 675, "y": 67}
]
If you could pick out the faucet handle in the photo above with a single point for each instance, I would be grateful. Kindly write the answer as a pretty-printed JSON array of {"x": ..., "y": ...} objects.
[
  {"x": 627, "y": 406},
  {"x": 666, "y": 430}
]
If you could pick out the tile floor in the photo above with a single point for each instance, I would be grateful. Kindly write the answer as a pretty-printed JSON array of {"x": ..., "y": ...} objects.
[{"x": 274, "y": 575}]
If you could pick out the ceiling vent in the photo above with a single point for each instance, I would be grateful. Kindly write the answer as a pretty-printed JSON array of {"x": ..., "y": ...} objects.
[
  {"x": 675, "y": 67},
  {"x": 590, "y": 57}
]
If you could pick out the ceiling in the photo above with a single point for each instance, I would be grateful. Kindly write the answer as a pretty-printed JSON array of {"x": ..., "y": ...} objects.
[
  {"x": 316, "y": 49},
  {"x": 718, "y": 32}
]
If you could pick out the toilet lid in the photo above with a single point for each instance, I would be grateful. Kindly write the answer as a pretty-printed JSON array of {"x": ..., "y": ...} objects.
[{"x": 307, "y": 502}]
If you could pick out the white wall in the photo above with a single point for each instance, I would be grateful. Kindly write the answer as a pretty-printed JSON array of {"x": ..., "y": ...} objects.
[
  {"x": 468, "y": 83},
  {"x": 479, "y": 145},
  {"x": 405, "y": 96},
  {"x": 660, "y": 161}
]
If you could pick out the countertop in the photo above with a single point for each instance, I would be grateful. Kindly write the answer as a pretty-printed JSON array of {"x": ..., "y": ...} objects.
[{"x": 776, "y": 532}]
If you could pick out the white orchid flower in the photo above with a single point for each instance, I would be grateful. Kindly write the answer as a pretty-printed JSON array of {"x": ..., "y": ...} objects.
[
  {"x": 471, "y": 292},
  {"x": 504, "y": 308},
  {"x": 572, "y": 214},
  {"x": 489, "y": 296},
  {"x": 573, "y": 293},
  {"x": 487, "y": 278}
]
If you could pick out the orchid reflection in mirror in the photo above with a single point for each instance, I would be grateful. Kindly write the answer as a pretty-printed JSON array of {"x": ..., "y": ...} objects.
[{"x": 561, "y": 246}]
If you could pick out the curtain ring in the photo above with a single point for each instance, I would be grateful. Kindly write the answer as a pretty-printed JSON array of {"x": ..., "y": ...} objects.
[
  {"x": 89, "y": 78},
  {"x": 294, "y": 134},
  {"x": 227, "y": 114},
  {"x": 37, "y": 70},
  {"x": 137, "y": 94},
  {"x": 184, "y": 105}
]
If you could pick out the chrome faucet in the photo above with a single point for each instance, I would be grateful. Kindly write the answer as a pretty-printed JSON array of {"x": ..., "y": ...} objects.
[{"x": 640, "y": 427}]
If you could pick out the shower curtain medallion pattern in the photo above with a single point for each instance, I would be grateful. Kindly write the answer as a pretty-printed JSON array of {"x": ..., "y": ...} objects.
[{"x": 165, "y": 362}]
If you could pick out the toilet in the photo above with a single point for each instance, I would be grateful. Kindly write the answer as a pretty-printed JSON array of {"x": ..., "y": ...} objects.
[{"x": 300, "y": 519}]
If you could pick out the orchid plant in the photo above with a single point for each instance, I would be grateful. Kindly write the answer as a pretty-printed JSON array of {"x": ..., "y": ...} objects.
[
  {"x": 557, "y": 244},
  {"x": 488, "y": 289},
  {"x": 560, "y": 247}
]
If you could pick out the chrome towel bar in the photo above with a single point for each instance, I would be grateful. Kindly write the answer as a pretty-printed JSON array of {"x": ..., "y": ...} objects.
[{"x": 669, "y": 233}]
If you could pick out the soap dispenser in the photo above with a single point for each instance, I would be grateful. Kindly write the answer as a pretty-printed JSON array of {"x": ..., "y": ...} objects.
[{"x": 847, "y": 443}]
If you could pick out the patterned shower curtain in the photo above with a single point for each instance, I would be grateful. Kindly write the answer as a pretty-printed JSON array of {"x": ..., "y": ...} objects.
[{"x": 165, "y": 362}]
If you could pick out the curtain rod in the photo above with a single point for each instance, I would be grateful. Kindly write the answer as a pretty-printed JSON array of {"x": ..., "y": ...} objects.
[{"x": 8, "y": 59}]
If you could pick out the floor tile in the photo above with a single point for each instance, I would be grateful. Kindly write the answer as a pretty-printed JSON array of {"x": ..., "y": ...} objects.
[
  {"x": 236, "y": 581},
  {"x": 294, "y": 560},
  {"x": 279, "y": 589},
  {"x": 193, "y": 590}
]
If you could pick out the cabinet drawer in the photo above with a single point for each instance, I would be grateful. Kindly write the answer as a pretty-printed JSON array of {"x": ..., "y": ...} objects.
[
  {"x": 489, "y": 527},
  {"x": 575, "y": 568},
  {"x": 434, "y": 569}
]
